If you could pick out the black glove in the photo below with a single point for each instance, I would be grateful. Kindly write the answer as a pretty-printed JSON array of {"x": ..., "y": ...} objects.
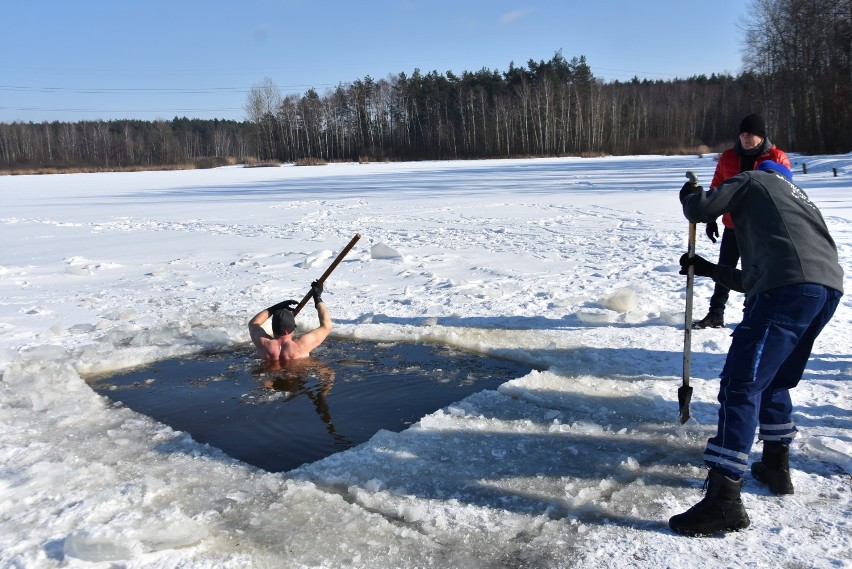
[
  {"x": 703, "y": 267},
  {"x": 688, "y": 189},
  {"x": 288, "y": 304},
  {"x": 316, "y": 289},
  {"x": 712, "y": 230}
]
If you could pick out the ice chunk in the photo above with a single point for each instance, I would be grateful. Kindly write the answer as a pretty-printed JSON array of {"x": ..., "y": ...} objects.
[
  {"x": 112, "y": 544},
  {"x": 382, "y": 251},
  {"x": 94, "y": 548},
  {"x": 596, "y": 316},
  {"x": 622, "y": 300},
  {"x": 317, "y": 258}
]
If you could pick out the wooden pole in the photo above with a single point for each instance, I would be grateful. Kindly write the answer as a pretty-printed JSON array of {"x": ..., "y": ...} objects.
[{"x": 328, "y": 272}]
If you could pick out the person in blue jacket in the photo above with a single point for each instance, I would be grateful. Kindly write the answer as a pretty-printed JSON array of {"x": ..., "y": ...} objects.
[{"x": 793, "y": 283}]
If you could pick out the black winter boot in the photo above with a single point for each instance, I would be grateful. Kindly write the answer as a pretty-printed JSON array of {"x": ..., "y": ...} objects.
[
  {"x": 709, "y": 321},
  {"x": 774, "y": 468},
  {"x": 720, "y": 510}
]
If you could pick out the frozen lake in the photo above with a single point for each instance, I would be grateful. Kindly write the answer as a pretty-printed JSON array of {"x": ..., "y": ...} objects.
[{"x": 568, "y": 266}]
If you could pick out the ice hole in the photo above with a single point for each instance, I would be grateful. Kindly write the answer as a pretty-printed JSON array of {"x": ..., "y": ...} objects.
[{"x": 278, "y": 417}]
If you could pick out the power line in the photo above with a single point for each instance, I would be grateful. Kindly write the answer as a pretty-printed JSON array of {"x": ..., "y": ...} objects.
[
  {"x": 128, "y": 91},
  {"x": 72, "y": 110},
  {"x": 145, "y": 90}
]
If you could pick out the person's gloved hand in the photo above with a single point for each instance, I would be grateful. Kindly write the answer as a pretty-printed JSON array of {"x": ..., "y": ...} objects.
[
  {"x": 712, "y": 230},
  {"x": 688, "y": 189},
  {"x": 316, "y": 289},
  {"x": 288, "y": 304},
  {"x": 703, "y": 267}
]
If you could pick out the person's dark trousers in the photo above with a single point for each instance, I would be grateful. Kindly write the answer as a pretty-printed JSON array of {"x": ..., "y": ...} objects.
[
  {"x": 729, "y": 255},
  {"x": 767, "y": 357}
]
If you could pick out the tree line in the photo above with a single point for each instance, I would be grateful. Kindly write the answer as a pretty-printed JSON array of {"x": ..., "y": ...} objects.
[
  {"x": 547, "y": 108},
  {"x": 117, "y": 144},
  {"x": 797, "y": 74}
]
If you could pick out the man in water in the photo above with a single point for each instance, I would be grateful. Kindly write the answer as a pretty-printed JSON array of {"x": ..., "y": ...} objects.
[{"x": 282, "y": 345}]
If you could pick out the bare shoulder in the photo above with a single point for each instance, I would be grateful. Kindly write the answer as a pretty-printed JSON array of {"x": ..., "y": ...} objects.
[
  {"x": 268, "y": 348},
  {"x": 311, "y": 340},
  {"x": 258, "y": 333},
  {"x": 294, "y": 350}
]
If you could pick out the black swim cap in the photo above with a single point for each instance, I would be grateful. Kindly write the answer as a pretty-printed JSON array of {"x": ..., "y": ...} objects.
[{"x": 283, "y": 322}]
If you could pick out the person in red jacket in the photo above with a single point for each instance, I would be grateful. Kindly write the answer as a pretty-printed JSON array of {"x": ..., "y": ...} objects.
[{"x": 752, "y": 148}]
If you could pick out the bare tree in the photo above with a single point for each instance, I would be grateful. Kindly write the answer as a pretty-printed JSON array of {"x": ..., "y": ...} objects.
[
  {"x": 264, "y": 101},
  {"x": 802, "y": 52}
]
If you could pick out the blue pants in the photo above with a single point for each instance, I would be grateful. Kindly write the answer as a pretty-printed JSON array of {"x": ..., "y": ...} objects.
[
  {"x": 729, "y": 255},
  {"x": 768, "y": 354}
]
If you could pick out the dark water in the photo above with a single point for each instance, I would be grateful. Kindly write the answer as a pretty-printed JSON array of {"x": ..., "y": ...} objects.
[{"x": 278, "y": 419}]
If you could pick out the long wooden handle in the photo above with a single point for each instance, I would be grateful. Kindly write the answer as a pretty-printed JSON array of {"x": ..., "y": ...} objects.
[
  {"x": 690, "y": 281},
  {"x": 328, "y": 272},
  {"x": 687, "y": 325}
]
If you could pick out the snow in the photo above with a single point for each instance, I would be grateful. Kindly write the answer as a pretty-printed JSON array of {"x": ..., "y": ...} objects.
[{"x": 567, "y": 264}]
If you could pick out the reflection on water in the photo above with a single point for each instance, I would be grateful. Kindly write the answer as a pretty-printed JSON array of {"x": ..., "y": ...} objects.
[
  {"x": 280, "y": 415},
  {"x": 310, "y": 377}
]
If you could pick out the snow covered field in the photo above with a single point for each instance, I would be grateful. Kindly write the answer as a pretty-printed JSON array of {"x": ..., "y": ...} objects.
[{"x": 568, "y": 264}]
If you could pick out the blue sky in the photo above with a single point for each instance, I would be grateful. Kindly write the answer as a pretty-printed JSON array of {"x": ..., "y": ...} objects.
[{"x": 154, "y": 59}]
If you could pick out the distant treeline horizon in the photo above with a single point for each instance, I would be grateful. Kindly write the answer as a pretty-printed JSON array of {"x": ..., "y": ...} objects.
[{"x": 797, "y": 74}]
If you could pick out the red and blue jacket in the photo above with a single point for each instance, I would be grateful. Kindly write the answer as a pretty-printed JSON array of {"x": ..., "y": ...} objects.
[{"x": 735, "y": 160}]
